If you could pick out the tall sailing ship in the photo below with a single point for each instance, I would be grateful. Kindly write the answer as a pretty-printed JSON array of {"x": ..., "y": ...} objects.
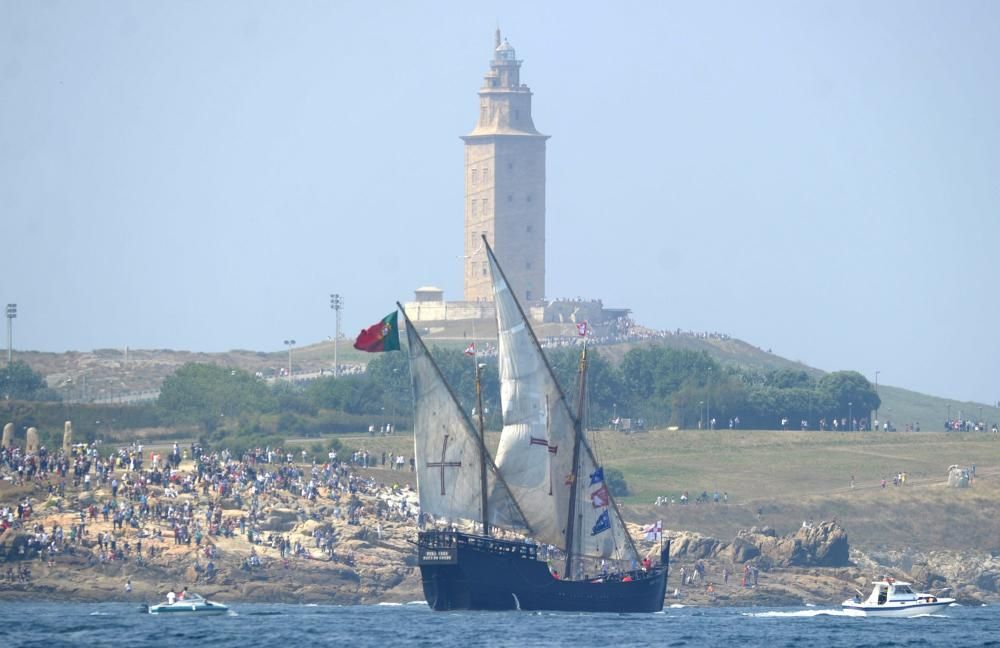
[{"x": 536, "y": 528}]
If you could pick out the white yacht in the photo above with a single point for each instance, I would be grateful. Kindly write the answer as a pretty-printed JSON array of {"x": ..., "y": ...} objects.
[
  {"x": 189, "y": 604},
  {"x": 892, "y": 598}
]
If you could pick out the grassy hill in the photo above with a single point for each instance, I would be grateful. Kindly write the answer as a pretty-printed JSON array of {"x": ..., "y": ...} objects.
[
  {"x": 780, "y": 479},
  {"x": 107, "y": 372}
]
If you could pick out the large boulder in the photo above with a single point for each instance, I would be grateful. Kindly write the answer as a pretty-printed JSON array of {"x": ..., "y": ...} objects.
[
  {"x": 820, "y": 545},
  {"x": 989, "y": 581},
  {"x": 924, "y": 578},
  {"x": 743, "y": 550},
  {"x": 280, "y": 520},
  {"x": 824, "y": 545},
  {"x": 693, "y": 546}
]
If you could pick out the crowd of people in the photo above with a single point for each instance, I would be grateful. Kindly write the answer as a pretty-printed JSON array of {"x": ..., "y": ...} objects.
[{"x": 145, "y": 505}]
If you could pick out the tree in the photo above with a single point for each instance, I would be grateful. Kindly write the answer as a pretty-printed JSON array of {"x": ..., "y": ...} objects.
[
  {"x": 615, "y": 479},
  {"x": 604, "y": 388},
  {"x": 844, "y": 392},
  {"x": 653, "y": 376},
  {"x": 18, "y": 381},
  {"x": 206, "y": 394}
]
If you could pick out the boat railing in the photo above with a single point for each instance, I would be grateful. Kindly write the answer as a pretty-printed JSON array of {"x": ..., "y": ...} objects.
[{"x": 448, "y": 539}]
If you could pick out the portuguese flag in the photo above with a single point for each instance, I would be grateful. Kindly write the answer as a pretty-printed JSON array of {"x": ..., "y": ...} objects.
[{"x": 383, "y": 336}]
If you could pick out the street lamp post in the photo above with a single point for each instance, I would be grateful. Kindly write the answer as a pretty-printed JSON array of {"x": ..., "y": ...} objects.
[
  {"x": 850, "y": 415},
  {"x": 336, "y": 303},
  {"x": 614, "y": 415},
  {"x": 11, "y": 314},
  {"x": 701, "y": 409},
  {"x": 289, "y": 344}
]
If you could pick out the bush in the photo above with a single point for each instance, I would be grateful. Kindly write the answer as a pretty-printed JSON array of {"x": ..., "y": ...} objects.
[{"x": 615, "y": 479}]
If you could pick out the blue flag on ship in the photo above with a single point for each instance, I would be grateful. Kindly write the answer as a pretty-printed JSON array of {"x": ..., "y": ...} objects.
[
  {"x": 603, "y": 524},
  {"x": 597, "y": 476}
]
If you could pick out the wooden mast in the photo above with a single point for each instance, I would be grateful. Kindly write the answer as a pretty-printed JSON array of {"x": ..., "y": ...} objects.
[
  {"x": 577, "y": 434},
  {"x": 482, "y": 446}
]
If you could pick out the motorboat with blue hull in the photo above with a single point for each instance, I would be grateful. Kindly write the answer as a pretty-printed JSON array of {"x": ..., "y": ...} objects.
[
  {"x": 892, "y": 598},
  {"x": 191, "y": 604},
  {"x": 469, "y": 572}
]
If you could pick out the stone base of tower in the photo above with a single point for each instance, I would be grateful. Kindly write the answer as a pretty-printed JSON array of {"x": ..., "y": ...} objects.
[{"x": 558, "y": 311}]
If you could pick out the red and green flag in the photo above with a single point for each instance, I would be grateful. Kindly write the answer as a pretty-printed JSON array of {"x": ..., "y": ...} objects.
[{"x": 383, "y": 336}]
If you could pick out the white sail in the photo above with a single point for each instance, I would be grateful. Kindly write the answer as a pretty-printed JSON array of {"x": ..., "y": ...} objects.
[
  {"x": 447, "y": 450},
  {"x": 535, "y": 455}
]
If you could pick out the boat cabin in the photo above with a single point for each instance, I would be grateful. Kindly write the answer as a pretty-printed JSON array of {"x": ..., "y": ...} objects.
[{"x": 890, "y": 590}]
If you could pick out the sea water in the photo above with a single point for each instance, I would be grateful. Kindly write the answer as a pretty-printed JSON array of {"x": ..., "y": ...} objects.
[{"x": 383, "y": 626}]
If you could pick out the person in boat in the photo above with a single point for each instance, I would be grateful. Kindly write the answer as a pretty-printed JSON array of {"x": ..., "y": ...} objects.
[
  {"x": 171, "y": 597},
  {"x": 646, "y": 564},
  {"x": 183, "y": 594}
]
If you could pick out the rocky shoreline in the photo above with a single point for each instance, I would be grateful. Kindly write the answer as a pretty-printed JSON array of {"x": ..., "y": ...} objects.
[{"x": 373, "y": 559}]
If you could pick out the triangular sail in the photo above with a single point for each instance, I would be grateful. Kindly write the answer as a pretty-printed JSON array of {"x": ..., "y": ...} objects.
[
  {"x": 447, "y": 450},
  {"x": 535, "y": 455}
]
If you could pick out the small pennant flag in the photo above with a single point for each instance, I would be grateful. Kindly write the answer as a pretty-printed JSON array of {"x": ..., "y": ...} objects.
[
  {"x": 383, "y": 336},
  {"x": 597, "y": 476},
  {"x": 581, "y": 328},
  {"x": 600, "y": 497},
  {"x": 653, "y": 531},
  {"x": 471, "y": 349},
  {"x": 603, "y": 523}
]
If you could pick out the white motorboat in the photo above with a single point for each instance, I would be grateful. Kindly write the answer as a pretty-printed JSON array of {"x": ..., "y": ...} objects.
[
  {"x": 189, "y": 604},
  {"x": 892, "y": 598}
]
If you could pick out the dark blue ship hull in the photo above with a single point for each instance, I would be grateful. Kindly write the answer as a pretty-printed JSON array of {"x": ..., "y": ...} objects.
[{"x": 467, "y": 572}]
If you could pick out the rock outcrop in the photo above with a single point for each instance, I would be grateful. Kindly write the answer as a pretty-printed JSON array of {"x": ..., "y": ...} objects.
[{"x": 819, "y": 545}]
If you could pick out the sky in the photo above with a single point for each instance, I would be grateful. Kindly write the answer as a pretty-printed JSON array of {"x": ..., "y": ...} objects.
[{"x": 821, "y": 179}]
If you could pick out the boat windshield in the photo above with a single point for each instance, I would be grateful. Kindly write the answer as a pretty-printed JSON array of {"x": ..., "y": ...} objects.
[{"x": 903, "y": 589}]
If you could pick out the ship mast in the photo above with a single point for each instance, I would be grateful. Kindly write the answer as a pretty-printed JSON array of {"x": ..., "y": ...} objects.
[
  {"x": 577, "y": 434},
  {"x": 482, "y": 445}
]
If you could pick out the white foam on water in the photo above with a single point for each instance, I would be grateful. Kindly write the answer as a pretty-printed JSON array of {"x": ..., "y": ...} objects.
[
  {"x": 390, "y": 604},
  {"x": 677, "y": 605},
  {"x": 100, "y": 614},
  {"x": 424, "y": 603},
  {"x": 810, "y": 605},
  {"x": 312, "y": 605},
  {"x": 954, "y": 605},
  {"x": 779, "y": 614}
]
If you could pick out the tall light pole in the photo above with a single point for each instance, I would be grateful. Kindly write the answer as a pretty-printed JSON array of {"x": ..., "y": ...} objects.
[
  {"x": 11, "y": 314},
  {"x": 850, "y": 415},
  {"x": 289, "y": 344},
  {"x": 336, "y": 303}
]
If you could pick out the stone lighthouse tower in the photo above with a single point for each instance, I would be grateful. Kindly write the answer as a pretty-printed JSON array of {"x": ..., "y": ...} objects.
[{"x": 505, "y": 184}]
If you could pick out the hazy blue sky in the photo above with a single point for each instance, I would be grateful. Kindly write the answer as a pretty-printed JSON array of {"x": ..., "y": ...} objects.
[{"x": 818, "y": 178}]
